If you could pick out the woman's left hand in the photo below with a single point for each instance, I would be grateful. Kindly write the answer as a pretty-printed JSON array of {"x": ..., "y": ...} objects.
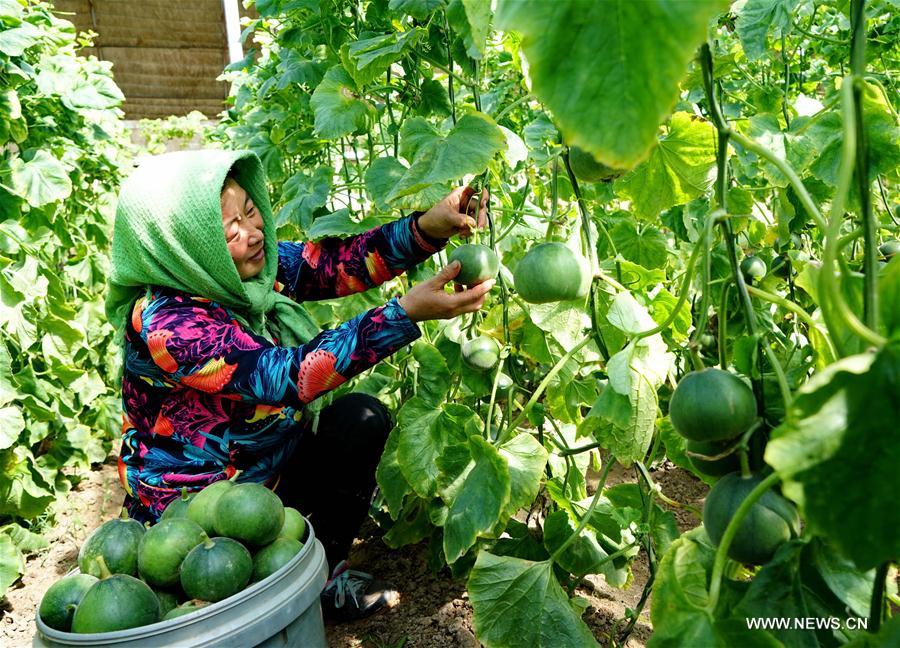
[{"x": 456, "y": 214}]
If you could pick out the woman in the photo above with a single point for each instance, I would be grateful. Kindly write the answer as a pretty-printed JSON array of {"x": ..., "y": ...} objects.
[{"x": 220, "y": 360}]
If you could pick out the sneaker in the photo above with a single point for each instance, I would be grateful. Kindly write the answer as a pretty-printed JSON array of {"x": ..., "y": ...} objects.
[{"x": 351, "y": 594}]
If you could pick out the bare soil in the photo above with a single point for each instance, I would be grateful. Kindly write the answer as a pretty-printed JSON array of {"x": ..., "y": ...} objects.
[{"x": 433, "y": 611}]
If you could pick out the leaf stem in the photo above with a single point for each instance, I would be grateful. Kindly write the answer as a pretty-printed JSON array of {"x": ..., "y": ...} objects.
[
  {"x": 656, "y": 490},
  {"x": 490, "y": 412},
  {"x": 827, "y": 278},
  {"x": 509, "y": 107},
  {"x": 583, "y": 522},
  {"x": 682, "y": 296},
  {"x": 863, "y": 183},
  {"x": 542, "y": 386},
  {"x": 876, "y": 611},
  {"x": 794, "y": 308},
  {"x": 782, "y": 165}
]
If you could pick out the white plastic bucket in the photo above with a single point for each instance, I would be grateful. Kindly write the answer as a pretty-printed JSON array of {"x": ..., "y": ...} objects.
[{"x": 282, "y": 610}]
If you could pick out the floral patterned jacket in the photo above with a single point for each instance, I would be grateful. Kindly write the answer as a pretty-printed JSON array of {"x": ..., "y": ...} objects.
[{"x": 204, "y": 398}]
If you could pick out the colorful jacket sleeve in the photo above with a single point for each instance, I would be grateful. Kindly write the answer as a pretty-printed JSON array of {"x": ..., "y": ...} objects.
[
  {"x": 336, "y": 267},
  {"x": 195, "y": 343}
]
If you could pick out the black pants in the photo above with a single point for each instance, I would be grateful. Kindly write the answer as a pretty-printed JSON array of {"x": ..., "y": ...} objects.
[{"x": 331, "y": 476}]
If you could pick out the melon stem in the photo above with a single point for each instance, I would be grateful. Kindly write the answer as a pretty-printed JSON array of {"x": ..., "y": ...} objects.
[{"x": 101, "y": 565}]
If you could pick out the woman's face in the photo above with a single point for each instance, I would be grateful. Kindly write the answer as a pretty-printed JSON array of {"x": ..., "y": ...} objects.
[{"x": 243, "y": 226}]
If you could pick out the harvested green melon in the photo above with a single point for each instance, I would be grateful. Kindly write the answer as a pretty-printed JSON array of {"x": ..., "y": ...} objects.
[
  {"x": 250, "y": 513},
  {"x": 168, "y": 601},
  {"x": 216, "y": 569},
  {"x": 294, "y": 526},
  {"x": 178, "y": 507},
  {"x": 163, "y": 548},
  {"x": 187, "y": 608},
  {"x": 60, "y": 601},
  {"x": 117, "y": 542},
  {"x": 274, "y": 556},
  {"x": 202, "y": 507},
  {"x": 115, "y": 602}
]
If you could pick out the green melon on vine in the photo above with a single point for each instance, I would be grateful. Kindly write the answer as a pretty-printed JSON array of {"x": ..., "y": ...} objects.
[
  {"x": 478, "y": 263},
  {"x": 771, "y": 521},
  {"x": 712, "y": 405},
  {"x": 551, "y": 272}
]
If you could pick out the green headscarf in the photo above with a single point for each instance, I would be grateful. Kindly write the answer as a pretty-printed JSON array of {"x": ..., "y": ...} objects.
[{"x": 168, "y": 232}]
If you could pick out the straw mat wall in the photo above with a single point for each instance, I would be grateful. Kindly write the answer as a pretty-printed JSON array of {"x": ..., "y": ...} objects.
[{"x": 166, "y": 54}]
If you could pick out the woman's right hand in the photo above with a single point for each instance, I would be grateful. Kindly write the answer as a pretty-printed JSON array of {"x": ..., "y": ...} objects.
[{"x": 428, "y": 300}]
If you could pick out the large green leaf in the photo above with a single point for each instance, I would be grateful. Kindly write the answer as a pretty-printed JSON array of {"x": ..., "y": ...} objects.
[
  {"x": 412, "y": 525},
  {"x": 629, "y": 439},
  {"x": 759, "y": 17},
  {"x": 8, "y": 391},
  {"x": 609, "y": 71},
  {"x": 526, "y": 459},
  {"x": 646, "y": 247},
  {"x": 425, "y": 432},
  {"x": 304, "y": 194},
  {"x": 520, "y": 603},
  {"x": 475, "y": 499},
  {"x": 680, "y": 597},
  {"x": 433, "y": 377},
  {"x": 385, "y": 173},
  {"x": 635, "y": 372},
  {"x": 27, "y": 541},
  {"x": 79, "y": 85},
  {"x": 798, "y": 149},
  {"x": 889, "y": 297},
  {"x": 478, "y": 14},
  {"x": 41, "y": 180},
  {"x": 369, "y": 58},
  {"x": 419, "y": 9},
  {"x": 826, "y": 443},
  {"x": 583, "y": 555},
  {"x": 806, "y": 580},
  {"x": 826, "y": 135},
  {"x": 10, "y": 9},
  {"x": 661, "y": 309},
  {"x": 12, "y": 563},
  {"x": 390, "y": 478},
  {"x": 340, "y": 224},
  {"x": 851, "y": 587},
  {"x": 293, "y": 67},
  {"x": 541, "y": 137},
  {"x": 11, "y": 424},
  {"x": 13, "y": 317},
  {"x": 677, "y": 170},
  {"x": 565, "y": 320},
  {"x": 338, "y": 106},
  {"x": 467, "y": 148},
  {"x": 14, "y": 42},
  {"x": 24, "y": 492}
]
